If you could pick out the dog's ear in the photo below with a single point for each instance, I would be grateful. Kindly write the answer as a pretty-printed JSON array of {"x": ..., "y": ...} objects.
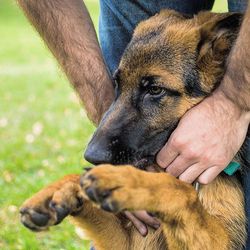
[{"x": 217, "y": 37}]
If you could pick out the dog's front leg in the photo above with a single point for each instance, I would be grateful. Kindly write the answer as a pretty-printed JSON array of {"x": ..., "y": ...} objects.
[
  {"x": 186, "y": 223},
  {"x": 65, "y": 197}
]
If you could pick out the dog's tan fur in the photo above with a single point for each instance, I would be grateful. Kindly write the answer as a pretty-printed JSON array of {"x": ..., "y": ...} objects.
[{"x": 213, "y": 218}]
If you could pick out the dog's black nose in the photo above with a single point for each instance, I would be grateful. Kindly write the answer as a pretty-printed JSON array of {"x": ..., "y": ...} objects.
[{"x": 97, "y": 153}]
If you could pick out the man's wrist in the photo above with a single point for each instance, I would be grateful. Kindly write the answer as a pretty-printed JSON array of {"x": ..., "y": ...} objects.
[
  {"x": 223, "y": 103},
  {"x": 236, "y": 81},
  {"x": 221, "y": 98}
]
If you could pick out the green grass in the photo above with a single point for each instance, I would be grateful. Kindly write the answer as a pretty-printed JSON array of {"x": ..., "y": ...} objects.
[{"x": 43, "y": 129}]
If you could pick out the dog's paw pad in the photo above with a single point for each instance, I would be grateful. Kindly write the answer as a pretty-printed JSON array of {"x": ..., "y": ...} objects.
[{"x": 34, "y": 219}]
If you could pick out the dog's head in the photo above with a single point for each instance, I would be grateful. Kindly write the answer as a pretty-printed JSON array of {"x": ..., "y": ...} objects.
[{"x": 170, "y": 65}]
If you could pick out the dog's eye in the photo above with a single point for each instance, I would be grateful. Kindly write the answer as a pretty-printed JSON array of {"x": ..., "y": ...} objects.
[{"x": 156, "y": 91}]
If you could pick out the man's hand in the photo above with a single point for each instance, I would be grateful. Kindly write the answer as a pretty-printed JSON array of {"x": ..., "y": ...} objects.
[
  {"x": 206, "y": 140},
  {"x": 203, "y": 144},
  {"x": 141, "y": 219}
]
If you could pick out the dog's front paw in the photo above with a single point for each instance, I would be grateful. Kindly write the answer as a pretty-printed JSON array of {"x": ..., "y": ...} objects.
[
  {"x": 49, "y": 207},
  {"x": 109, "y": 186}
]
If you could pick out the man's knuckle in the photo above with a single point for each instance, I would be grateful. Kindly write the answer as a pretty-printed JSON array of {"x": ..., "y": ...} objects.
[
  {"x": 177, "y": 143},
  {"x": 221, "y": 161},
  {"x": 191, "y": 153},
  {"x": 206, "y": 159}
]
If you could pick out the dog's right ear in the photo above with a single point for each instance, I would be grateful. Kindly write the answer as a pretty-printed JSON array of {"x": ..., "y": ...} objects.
[{"x": 217, "y": 37}]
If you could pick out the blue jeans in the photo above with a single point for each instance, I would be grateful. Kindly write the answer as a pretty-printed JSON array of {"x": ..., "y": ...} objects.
[{"x": 118, "y": 19}]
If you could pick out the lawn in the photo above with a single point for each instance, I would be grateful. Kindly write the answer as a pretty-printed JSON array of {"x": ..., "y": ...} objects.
[{"x": 43, "y": 129}]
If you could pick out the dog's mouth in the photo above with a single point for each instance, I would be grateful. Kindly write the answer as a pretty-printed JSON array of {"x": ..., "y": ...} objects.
[
  {"x": 141, "y": 156},
  {"x": 144, "y": 162},
  {"x": 147, "y": 157}
]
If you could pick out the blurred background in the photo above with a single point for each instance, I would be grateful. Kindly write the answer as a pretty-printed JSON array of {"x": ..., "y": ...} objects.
[{"x": 43, "y": 128}]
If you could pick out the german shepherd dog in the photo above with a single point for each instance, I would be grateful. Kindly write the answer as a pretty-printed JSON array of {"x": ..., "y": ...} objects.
[{"x": 171, "y": 64}]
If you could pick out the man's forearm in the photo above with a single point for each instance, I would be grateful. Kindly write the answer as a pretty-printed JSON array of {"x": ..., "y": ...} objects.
[
  {"x": 67, "y": 29},
  {"x": 236, "y": 82}
]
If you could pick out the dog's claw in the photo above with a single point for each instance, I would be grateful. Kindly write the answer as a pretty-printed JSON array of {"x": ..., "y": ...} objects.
[
  {"x": 109, "y": 206},
  {"x": 23, "y": 210},
  {"x": 61, "y": 211},
  {"x": 91, "y": 192}
]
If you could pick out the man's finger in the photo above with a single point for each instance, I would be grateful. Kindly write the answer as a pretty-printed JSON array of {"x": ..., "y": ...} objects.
[
  {"x": 179, "y": 165},
  {"x": 166, "y": 156},
  {"x": 146, "y": 218},
  {"x": 209, "y": 175},
  {"x": 141, "y": 227},
  {"x": 192, "y": 173}
]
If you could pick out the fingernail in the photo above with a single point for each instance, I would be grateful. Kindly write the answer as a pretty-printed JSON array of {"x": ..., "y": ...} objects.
[
  {"x": 143, "y": 231},
  {"x": 151, "y": 214},
  {"x": 156, "y": 226}
]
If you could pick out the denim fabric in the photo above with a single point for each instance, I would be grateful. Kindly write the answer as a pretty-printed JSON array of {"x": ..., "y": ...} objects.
[
  {"x": 118, "y": 19},
  {"x": 237, "y": 5}
]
